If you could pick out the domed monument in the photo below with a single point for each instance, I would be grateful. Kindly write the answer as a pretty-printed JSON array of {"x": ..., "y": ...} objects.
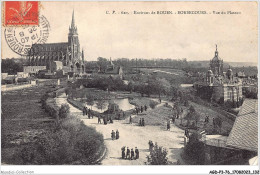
[{"x": 219, "y": 86}]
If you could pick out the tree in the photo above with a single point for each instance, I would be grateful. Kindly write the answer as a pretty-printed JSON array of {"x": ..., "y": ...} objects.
[
  {"x": 130, "y": 86},
  {"x": 158, "y": 86},
  {"x": 158, "y": 156},
  {"x": 102, "y": 63},
  {"x": 90, "y": 99},
  {"x": 218, "y": 123},
  {"x": 191, "y": 109},
  {"x": 64, "y": 111},
  {"x": 11, "y": 67},
  {"x": 101, "y": 104},
  {"x": 195, "y": 149}
]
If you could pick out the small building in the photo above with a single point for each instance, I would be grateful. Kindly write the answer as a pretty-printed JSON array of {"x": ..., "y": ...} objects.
[
  {"x": 4, "y": 75},
  {"x": 114, "y": 71},
  {"x": 33, "y": 69},
  {"x": 22, "y": 75},
  {"x": 56, "y": 66}
]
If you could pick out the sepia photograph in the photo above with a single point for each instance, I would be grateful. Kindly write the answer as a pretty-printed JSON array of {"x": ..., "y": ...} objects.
[{"x": 129, "y": 83}]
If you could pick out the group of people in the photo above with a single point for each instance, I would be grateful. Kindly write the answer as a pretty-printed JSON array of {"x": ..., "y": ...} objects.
[
  {"x": 87, "y": 112},
  {"x": 141, "y": 122},
  {"x": 141, "y": 109},
  {"x": 119, "y": 116},
  {"x": 131, "y": 155},
  {"x": 115, "y": 135},
  {"x": 105, "y": 119}
]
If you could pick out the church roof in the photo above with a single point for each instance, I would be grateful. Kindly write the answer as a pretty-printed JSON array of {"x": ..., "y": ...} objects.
[
  {"x": 50, "y": 47},
  {"x": 244, "y": 134},
  {"x": 114, "y": 70}
]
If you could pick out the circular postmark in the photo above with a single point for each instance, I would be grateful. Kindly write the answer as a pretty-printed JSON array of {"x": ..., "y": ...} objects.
[{"x": 21, "y": 39}]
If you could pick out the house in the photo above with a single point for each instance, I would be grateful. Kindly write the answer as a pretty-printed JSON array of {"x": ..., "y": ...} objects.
[
  {"x": 33, "y": 69},
  {"x": 113, "y": 70}
]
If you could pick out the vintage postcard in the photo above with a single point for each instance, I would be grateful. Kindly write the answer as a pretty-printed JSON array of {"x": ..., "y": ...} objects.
[{"x": 129, "y": 83}]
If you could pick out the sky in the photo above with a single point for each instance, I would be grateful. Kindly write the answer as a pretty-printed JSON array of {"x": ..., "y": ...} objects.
[{"x": 151, "y": 36}]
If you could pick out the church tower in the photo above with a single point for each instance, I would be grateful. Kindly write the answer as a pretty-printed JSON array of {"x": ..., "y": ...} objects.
[
  {"x": 216, "y": 64},
  {"x": 73, "y": 41}
]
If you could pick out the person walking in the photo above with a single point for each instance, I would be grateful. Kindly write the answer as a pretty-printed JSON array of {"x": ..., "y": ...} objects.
[
  {"x": 89, "y": 114},
  {"x": 113, "y": 134},
  {"x": 142, "y": 109},
  {"x": 173, "y": 119},
  {"x": 132, "y": 154},
  {"x": 123, "y": 152},
  {"x": 130, "y": 119},
  {"x": 111, "y": 120},
  {"x": 137, "y": 110},
  {"x": 150, "y": 145},
  {"x": 127, "y": 153},
  {"x": 86, "y": 110},
  {"x": 83, "y": 110},
  {"x": 168, "y": 125},
  {"x": 99, "y": 120},
  {"x": 136, "y": 153},
  {"x": 117, "y": 134},
  {"x": 145, "y": 107},
  {"x": 105, "y": 120},
  {"x": 142, "y": 121}
]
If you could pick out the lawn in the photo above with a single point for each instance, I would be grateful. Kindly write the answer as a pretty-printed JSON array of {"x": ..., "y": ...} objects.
[{"x": 155, "y": 117}]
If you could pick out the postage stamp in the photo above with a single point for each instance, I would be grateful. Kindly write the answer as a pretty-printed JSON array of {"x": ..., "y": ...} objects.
[
  {"x": 20, "y": 13},
  {"x": 21, "y": 39}
]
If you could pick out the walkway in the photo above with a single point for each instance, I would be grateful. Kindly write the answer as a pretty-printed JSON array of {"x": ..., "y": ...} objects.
[{"x": 133, "y": 136}]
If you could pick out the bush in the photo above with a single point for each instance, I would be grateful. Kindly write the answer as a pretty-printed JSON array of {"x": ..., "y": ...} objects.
[
  {"x": 73, "y": 143},
  {"x": 195, "y": 150},
  {"x": 64, "y": 111},
  {"x": 158, "y": 156},
  {"x": 228, "y": 104},
  {"x": 152, "y": 104},
  {"x": 186, "y": 103}
]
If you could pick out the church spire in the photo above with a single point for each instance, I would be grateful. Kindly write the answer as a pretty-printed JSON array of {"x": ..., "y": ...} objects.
[
  {"x": 73, "y": 28},
  {"x": 82, "y": 55},
  {"x": 73, "y": 21},
  {"x": 216, "y": 52}
]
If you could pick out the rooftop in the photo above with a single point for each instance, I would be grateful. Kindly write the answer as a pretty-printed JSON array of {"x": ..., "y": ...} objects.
[{"x": 244, "y": 134}]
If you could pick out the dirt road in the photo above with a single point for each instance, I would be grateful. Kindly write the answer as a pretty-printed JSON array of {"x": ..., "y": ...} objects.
[{"x": 133, "y": 136}]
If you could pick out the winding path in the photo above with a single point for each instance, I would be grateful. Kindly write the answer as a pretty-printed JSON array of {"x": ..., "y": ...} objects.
[{"x": 132, "y": 136}]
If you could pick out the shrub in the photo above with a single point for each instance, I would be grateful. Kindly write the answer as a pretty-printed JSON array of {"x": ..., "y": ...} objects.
[
  {"x": 228, "y": 104},
  {"x": 152, "y": 104},
  {"x": 73, "y": 143},
  {"x": 64, "y": 111},
  {"x": 195, "y": 149},
  {"x": 158, "y": 156},
  {"x": 186, "y": 103}
]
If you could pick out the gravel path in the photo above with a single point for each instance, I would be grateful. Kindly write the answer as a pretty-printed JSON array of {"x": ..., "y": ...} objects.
[{"x": 133, "y": 136}]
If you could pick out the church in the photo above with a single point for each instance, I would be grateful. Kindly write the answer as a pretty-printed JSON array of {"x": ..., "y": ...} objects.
[
  {"x": 66, "y": 54},
  {"x": 219, "y": 86}
]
